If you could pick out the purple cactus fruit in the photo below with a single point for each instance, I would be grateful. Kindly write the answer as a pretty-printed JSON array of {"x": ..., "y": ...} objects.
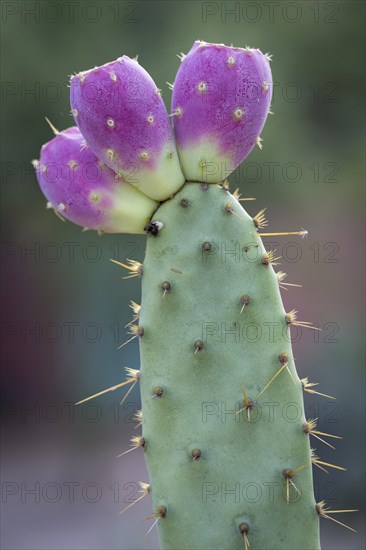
[
  {"x": 122, "y": 116},
  {"x": 220, "y": 102},
  {"x": 84, "y": 190}
]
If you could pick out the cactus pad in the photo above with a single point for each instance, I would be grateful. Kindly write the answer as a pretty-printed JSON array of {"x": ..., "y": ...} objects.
[{"x": 202, "y": 348}]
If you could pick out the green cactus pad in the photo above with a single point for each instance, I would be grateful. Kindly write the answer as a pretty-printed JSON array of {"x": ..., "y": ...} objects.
[{"x": 214, "y": 323}]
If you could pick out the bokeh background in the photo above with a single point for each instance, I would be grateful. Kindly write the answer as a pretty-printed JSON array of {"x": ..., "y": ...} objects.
[{"x": 64, "y": 304}]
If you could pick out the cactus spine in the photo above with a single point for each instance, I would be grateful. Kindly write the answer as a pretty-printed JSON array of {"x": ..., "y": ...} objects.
[{"x": 224, "y": 430}]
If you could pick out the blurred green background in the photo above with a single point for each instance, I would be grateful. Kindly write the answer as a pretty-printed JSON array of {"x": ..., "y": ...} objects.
[{"x": 64, "y": 304}]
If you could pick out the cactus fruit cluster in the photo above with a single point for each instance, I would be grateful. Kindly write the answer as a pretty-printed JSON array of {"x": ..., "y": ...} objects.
[{"x": 224, "y": 431}]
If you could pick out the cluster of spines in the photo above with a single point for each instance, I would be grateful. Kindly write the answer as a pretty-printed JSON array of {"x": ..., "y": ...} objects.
[{"x": 135, "y": 268}]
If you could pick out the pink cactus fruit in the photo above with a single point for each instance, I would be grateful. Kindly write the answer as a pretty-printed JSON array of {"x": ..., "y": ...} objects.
[
  {"x": 220, "y": 102},
  {"x": 81, "y": 188},
  {"x": 122, "y": 116}
]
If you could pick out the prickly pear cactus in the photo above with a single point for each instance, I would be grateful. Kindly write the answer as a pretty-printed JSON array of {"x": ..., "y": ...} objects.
[{"x": 224, "y": 430}]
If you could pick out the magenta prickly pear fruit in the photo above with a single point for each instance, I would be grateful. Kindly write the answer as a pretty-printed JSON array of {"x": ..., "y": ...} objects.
[
  {"x": 221, "y": 98},
  {"x": 122, "y": 116},
  {"x": 84, "y": 190}
]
